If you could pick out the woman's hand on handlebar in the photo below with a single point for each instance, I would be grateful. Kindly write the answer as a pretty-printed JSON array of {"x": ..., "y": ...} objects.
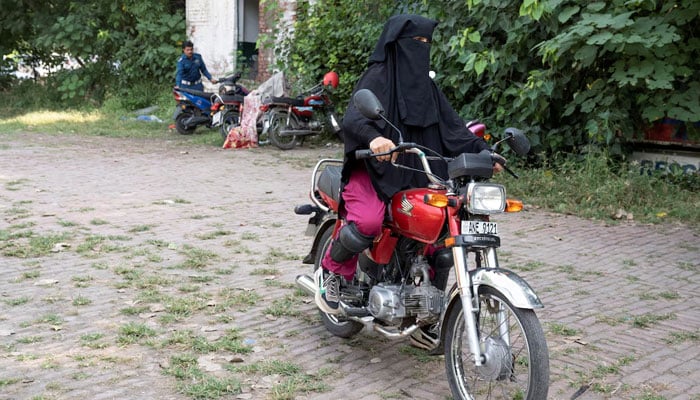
[{"x": 382, "y": 145}]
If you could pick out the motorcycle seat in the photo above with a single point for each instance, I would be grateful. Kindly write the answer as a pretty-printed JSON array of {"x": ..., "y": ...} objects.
[
  {"x": 231, "y": 98},
  {"x": 329, "y": 181},
  {"x": 295, "y": 102},
  {"x": 197, "y": 93}
]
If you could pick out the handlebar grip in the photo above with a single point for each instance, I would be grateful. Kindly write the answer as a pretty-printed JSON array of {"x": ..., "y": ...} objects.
[
  {"x": 362, "y": 154},
  {"x": 497, "y": 158}
]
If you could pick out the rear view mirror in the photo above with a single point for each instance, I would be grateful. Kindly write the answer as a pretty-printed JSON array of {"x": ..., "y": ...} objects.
[
  {"x": 368, "y": 104},
  {"x": 517, "y": 141}
]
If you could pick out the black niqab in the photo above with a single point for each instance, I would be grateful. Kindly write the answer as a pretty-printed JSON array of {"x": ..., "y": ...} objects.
[{"x": 409, "y": 59}]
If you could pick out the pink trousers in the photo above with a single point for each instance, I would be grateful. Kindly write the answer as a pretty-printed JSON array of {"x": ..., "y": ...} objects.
[{"x": 365, "y": 209}]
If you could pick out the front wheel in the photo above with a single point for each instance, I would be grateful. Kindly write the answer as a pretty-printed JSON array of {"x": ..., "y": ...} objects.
[
  {"x": 334, "y": 324},
  {"x": 229, "y": 120},
  {"x": 516, "y": 360},
  {"x": 278, "y": 123}
]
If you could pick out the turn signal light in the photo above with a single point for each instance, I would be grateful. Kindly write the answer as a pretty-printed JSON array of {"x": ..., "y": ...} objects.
[
  {"x": 513, "y": 205},
  {"x": 436, "y": 200},
  {"x": 450, "y": 241}
]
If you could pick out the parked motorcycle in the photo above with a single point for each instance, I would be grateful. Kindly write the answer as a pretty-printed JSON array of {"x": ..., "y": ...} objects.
[
  {"x": 485, "y": 324},
  {"x": 195, "y": 108},
  {"x": 229, "y": 85},
  {"x": 286, "y": 120}
]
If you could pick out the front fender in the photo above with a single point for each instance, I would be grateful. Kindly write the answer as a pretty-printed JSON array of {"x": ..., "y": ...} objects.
[{"x": 515, "y": 288}]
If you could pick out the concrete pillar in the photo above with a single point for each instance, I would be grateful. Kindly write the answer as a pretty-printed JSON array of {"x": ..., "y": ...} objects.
[{"x": 212, "y": 27}]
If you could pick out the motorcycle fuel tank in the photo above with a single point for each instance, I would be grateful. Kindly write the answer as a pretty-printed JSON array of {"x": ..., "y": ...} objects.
[{"x": 412, "y": 218}]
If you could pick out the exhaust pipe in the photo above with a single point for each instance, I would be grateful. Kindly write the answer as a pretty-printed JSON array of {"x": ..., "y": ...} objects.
[
  {"x": 306, "y": 283},
  {"x": 395, "y": 334}
]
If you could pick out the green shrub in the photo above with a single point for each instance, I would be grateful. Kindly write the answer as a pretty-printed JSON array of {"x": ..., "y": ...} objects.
[{"x": 572, "y": 73}]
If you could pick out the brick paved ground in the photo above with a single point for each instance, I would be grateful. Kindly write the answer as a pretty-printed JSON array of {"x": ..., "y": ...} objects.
[{"x": 193, "y": 241}]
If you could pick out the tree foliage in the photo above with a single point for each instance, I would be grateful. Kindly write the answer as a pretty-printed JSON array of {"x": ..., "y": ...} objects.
[
  {"x": 328, "y": 36},
  {"x": 119, "y": 43},
  {"x": 573, "y": 73}
]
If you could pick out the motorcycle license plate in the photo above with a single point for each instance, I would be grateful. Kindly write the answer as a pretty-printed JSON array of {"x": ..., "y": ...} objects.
[
  {"x": 217, "y": 118},
  {"x": 479, "y": 228}
]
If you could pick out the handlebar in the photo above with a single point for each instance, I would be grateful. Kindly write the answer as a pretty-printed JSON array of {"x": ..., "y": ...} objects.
[
  {"x": 408, "y": 148},
  {"x": 414, "y": 148}
]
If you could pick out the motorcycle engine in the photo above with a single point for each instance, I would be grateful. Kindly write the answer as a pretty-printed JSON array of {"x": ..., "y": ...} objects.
[{"x": 392, "y": 303}]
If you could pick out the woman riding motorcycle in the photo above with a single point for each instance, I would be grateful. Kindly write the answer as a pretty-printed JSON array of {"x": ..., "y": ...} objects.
[{"x": 398, "y": 74}]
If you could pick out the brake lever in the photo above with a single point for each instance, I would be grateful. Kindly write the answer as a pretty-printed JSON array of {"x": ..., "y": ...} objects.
[
  {"x": 510, "y": 171},
  {"x": 500, "y": 160}
]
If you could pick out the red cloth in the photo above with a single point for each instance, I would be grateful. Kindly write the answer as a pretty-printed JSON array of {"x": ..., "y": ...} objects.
[{"x": 246, "y": 134}]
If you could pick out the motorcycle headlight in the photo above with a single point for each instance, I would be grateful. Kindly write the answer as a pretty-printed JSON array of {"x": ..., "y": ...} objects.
[{"x": 486, "y": 198}]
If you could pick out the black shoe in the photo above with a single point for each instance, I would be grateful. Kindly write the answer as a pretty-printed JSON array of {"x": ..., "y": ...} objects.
[{"x": 328, "y": 293}]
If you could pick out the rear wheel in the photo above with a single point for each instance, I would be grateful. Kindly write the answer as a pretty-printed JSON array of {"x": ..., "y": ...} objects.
[
  {"x": 334, "y": 324},
  {"x": 516, "y": 361},
  {"x": 230, "y": 119},
  {"x": 180, "y": 124},
  {"x": 278, "y": 123}
]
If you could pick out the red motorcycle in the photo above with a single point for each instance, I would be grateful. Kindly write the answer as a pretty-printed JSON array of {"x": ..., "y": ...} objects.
[
  {"x": 226, "y": 112},
  {"x": 285, "y": 119},
  {"x": 485, "y": 324}
]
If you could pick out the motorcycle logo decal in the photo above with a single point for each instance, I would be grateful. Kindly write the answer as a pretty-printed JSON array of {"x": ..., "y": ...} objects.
[{"x": 406, "y": 206}]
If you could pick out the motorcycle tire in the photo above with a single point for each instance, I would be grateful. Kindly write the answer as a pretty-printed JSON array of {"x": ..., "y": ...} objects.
[
  {"x": 519, "y": 370},
  {"x": 336, "y": 325},
  {"x": 180, "y": 124},
  {"x": 278, "y": 122},
  {"x": 230, "y": 119}
]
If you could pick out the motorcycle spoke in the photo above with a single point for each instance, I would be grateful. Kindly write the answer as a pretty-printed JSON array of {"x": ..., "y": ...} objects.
[{"x": 505, "y": 374}]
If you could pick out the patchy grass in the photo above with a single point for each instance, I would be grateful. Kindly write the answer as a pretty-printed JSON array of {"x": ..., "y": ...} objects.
[
  {"x": 275, "y": 255},
  {"x": 92, "y": 340},
  {"x": 249, "y": 236},
  {"x": 182, "y": 307},
  {"x": 81, "y": 301},
  {"x": 667, "y": 295},
  {"x": 212, "y": 235},
  {"x": 34, "y": 246},
  {"x": 286, "y": 306},
  {"x": 419, "y": 355},
  {"x": 562, "y": 330},
  {"x": 529, "y": 266},
  {"x": 193, "y": 382},
  {"x": 683, "y": 336},
  {"x": 649, "y": 319},
  {"x": 94, "y": 245},
  {"x": 140, "y": 228},
  {"x": 133, "y": 332},
  {"x": 265, "y": 271},
  {"x": 17, "y": 301},
  {"x": 236, "y": 298},
  {"x": 295, "y": 381},
  {"x": 196, "y": 258},
  {"x": 186, "y": 340}
]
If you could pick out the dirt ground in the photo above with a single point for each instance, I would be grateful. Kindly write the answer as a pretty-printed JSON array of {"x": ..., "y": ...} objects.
[{"x": 159, "y": 269}]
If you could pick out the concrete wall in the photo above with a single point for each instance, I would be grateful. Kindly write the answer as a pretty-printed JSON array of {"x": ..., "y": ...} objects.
[{"x": 212, "y": 27}]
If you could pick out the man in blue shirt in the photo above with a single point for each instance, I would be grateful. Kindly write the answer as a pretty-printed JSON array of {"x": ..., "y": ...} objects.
[{"x": 190, "y": 67}]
